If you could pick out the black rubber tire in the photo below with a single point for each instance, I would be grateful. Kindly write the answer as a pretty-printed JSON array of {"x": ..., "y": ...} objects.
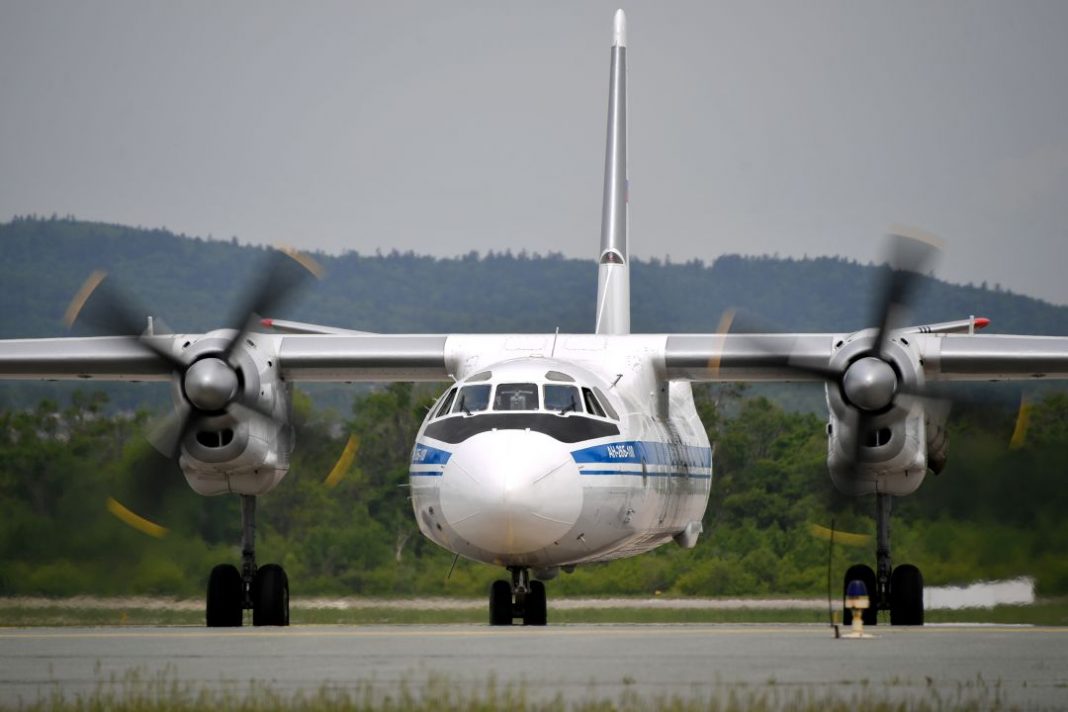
[
  {"x": 906, "y": 596},
  {"x": 861, "y": 572},
  {"x": 500, "y": 603},
  {"x": 535, "y": 605},
  {"x": 270, "y": 596},
  {"x": 226, "y": 594}
]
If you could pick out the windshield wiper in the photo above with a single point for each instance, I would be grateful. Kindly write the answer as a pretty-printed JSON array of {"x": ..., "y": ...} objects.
[{"x": 571, "y": 406}]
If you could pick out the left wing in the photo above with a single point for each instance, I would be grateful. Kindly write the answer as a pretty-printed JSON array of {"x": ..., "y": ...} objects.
[{"x": 808, "y": 357}]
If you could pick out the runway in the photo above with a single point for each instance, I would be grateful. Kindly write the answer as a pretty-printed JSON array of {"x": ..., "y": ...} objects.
[{"x": 1022, "y": 666}]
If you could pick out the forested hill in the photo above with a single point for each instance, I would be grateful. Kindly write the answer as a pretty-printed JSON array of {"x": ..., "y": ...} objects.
[{"x": 192, "y": 283}]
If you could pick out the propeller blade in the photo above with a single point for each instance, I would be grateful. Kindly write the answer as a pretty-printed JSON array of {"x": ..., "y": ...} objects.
[
  {"x": 99, "y": 306},
  {"x": 134, "y": 520},
  {"x": 254, "y": 406},
  {"x": 764, "y": 338},
  {"x": 142, "y": 489},
  {"x": 285, "y": 271},
  {"x": 910, "y": 254},
  {"x": 348, "y": 455},
  {"x": 838, "y": 536},
  {"x": 861, "y": 425},
  {"x": 1023, "y": 422},
  {"x": 167, "y": 433}
]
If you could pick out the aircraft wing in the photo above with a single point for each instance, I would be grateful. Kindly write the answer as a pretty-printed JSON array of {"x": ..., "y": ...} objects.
[
  {"x": 109, "y": 358},
  {"x": 784, "y": 357},
  {"x": 303, "y": 357},
  {"x": 424, "y": 357},
  {"x": 370, "y": 357}
]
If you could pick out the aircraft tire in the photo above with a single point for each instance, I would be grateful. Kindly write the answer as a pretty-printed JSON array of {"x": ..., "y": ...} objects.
[
  {"x": 906, "y": 596},
  {"x": 270, "y": 596},
  {"x": 535, "y": 607},
  {"x": 861, "y": 572},
  {"x": 226, "y": 593},
  {"x": 500, "y": 603}
]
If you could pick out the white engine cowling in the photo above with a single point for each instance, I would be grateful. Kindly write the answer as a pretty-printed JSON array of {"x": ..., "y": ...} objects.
[
  {"x": 238, "y": 450},
  {"x": 892, "y": 456}
]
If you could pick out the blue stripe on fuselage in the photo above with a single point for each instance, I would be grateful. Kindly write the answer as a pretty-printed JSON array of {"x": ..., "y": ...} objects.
[
  {"x": 427, "y": 455},
  {"x": 641, "y": 451},
  {"x": 633, "y": 473}
]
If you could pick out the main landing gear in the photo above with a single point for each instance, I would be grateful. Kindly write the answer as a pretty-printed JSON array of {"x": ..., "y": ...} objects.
[
  {"x": 263, "y": 589},
  {"x": 522, "y": 598},
  {"x": 895, "y": 589}
]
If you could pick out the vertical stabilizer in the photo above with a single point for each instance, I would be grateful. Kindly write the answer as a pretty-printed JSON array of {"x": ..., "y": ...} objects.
[{"x": 613, "y": 272}]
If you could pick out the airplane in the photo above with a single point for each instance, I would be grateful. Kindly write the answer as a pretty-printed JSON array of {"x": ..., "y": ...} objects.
[{"x": 548, "y": 451}]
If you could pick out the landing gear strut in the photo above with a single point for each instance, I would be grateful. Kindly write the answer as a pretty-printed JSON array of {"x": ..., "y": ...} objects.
[
  {"x": 264, "y": 590},
  {"x": 898, "y": 590},
  {"x": 522, "y": 598}
]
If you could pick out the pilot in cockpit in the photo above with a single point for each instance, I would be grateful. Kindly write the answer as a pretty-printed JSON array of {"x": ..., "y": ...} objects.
[{"x": 516, "y": 396}]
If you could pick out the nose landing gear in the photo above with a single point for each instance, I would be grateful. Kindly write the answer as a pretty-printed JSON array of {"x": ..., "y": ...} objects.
[{"x": 522, "y": 598}]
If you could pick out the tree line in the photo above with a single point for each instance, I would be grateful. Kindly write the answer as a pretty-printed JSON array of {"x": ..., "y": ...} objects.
[{"x": 997, "y": 510}]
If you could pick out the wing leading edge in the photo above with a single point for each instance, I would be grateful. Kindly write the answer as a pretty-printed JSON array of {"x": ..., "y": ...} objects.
[{"x": 944, "y": 357}]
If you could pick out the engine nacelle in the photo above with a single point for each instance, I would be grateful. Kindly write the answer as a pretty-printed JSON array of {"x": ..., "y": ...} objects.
[
  {"x": 892, "y": 455},
  {"x": 238, "y": 450}
]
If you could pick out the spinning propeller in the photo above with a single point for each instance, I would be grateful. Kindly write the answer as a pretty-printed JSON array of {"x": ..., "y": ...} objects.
[
  {"x": 208, "y": 385},
  {"x": 870, "y": 382},
  {"x": 211, "y": 384}
]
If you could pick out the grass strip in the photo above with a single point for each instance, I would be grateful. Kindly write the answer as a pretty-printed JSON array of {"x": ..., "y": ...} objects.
[
  {"x": 162, "y": 691},
  {"x": 1052, "y": 612}
]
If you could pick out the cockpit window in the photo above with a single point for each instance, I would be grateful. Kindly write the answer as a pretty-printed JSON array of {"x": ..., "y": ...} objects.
[
  {"x": 592, "y": 405},
  {"x": 516, "y": 396},
  {"x": 446, "y": 403},
  {"x": 603, "y": 400},
  {"x": 472, "y": 399},
  {"x": 562, "y": 399}
]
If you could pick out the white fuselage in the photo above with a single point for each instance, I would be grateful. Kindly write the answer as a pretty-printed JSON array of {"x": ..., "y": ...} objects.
[{"x": 556, "y": 451}]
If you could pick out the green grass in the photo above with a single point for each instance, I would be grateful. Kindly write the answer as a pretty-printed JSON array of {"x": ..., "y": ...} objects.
[
  {"x": 138, "y": 691},
  {"x": 1052, "y": 612}
]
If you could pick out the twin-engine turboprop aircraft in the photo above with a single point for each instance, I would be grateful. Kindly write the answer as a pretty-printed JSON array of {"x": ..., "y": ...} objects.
[{"x": 550, "y": 450}]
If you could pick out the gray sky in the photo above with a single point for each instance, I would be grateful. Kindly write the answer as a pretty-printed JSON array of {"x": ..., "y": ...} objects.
[{"x": 755, "y": 127}]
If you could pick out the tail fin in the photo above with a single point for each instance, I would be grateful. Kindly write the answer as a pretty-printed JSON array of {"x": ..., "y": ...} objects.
[{"x": 613, "y": 272}]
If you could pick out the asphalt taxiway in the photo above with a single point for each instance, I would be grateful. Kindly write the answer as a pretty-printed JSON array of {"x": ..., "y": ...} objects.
[{"x": 1024, "y": 666}]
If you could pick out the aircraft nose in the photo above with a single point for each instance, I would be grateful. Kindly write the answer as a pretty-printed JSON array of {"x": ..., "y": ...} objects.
[{"x": 511, "y": 491}]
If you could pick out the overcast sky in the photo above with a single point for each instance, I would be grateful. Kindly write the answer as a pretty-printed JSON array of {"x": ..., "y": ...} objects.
[{"x": 755, "y": 127}]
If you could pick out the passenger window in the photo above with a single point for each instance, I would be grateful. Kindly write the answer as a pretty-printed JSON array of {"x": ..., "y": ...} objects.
[
  {"x": 592, "y": 406},
  {"x": 562, "y": 399},
  {"x": 516, "y": 396},
  {"x": 472, "y": 399},
  {"x": 603, "y": 400},
  {"x": 446, "y": 404}
]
